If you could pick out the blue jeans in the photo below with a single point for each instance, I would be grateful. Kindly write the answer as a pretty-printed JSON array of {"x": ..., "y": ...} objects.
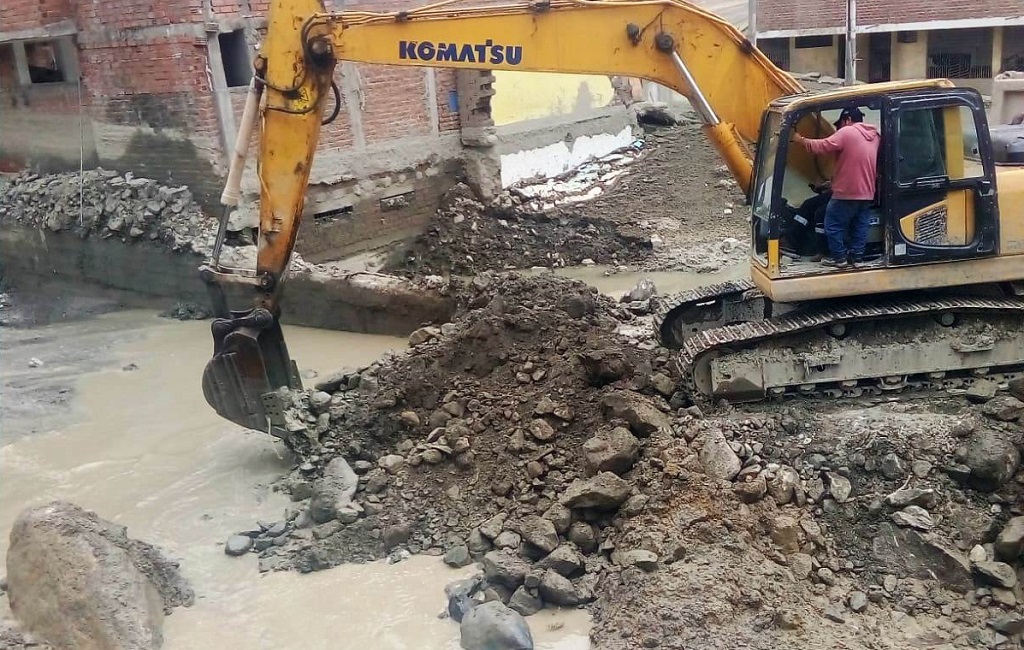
[{"x": 840, "y": 216}]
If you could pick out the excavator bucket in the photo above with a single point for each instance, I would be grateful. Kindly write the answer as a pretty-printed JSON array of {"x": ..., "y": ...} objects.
[{"x": 250, "y": 365}]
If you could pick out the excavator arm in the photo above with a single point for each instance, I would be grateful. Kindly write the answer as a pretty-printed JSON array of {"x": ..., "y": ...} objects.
[{"x": 679, "y": 45}]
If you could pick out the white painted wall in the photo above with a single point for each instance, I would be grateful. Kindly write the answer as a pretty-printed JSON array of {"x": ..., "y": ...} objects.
[{"x": 558, "y": 158}]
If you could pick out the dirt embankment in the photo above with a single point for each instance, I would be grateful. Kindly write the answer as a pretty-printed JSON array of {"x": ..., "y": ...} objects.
[
  {"x": 530, "y": 435},
  {"x": 668, "y": 205}
]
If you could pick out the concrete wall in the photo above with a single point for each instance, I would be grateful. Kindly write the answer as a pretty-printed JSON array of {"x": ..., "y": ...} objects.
[
  {"x": 150, "y": 275},
  {"x": 523, "y": 96},
  {"x": 910, "y": 60},
  {"x": 814, "y": 59}
]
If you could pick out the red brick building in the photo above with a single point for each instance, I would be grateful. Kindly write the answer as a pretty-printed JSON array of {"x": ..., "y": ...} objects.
[
  {"x": 968, "y": 41},
  {"x": 156, "y": 87}
]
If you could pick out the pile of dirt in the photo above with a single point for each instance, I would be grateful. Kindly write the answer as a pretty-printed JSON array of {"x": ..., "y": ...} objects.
[
  {"x": 467, "y": 237},
  {"x": 532, "y": 436}
]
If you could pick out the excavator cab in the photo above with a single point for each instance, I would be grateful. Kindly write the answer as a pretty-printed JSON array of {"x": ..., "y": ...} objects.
[{"x": 934, "y": 199}]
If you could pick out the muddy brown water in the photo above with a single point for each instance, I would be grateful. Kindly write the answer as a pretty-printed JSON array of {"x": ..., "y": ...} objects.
[{"x": 142, "y": 448}]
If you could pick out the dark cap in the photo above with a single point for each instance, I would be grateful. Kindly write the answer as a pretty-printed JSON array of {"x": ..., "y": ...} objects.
[{"x": 852, "y": 113}]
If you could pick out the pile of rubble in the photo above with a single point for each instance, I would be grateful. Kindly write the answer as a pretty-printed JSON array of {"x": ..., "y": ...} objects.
[
  {"x": 102, "y": 203},
  {"x": 529, "y": 436},
  {"x": 467, "y": 237}
]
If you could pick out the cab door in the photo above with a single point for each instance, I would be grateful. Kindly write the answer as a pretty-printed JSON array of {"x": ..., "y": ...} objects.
[{"x": 940, "y": 191}]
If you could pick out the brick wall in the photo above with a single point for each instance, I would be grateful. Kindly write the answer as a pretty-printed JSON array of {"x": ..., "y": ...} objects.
[
  {"x": 24, "y": 14},
  {"x": 800, "y": 14},
  {"x": 808, "y": 14},
  {"x": 145, "y": 104}
]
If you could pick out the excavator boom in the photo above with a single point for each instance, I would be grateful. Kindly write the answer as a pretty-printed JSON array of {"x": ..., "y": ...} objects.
[{"x": 671, "y": 42}]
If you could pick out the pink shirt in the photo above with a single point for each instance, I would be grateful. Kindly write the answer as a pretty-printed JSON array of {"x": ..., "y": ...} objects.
[{"x": 857, "y": 145}]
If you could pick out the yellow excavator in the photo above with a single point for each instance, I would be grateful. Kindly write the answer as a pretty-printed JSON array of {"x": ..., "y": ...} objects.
[{"x": 936, "y": 303}]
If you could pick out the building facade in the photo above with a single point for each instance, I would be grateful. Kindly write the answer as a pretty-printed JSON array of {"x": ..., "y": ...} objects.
[
  {"x": 157, "y": 87},
  {"x": 968, "y": 42}
]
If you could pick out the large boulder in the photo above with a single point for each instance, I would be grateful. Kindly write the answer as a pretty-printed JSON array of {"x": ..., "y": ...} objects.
[
  {"x": 78, "y": 581},
  {"x": 493, "y": 626},
  {"x": 909, "y": 552},
  {"x": 333, "y": 491},
  {"x": 993, "y": 459},
  {"x": 644, "y": 419},
  {"x": 505, "y": 569},
  {"x": 613, "y": 450},
  {"x": 718, "y": 458},
  {"x": 604, "y": 491},
  {"x": 540, "y": 532}
]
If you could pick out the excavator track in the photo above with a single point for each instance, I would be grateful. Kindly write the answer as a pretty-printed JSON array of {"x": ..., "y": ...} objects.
[
  {"x": 680, "y": 315},
  {"x": 856, "y": 349}
]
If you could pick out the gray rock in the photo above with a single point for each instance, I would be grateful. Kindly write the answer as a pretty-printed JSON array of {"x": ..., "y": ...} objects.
[
  {"x": 643, "y": 418},
  {"x": 558, "y": 590},
  {"x": 751, "y": 491},
  {"x": 525, "y": 601},
  {"x": 614, "y": 450},
  {"x": 921, "y": 468},
  {"x": 319, "y": 401},
  {"x": 560, "y": 516},
  {"x": 640, "y": 558},
  {"x": 78, "y": 581},
  {"x": 459, "y": 594},
  {"x": 996, "y": 573},
  {"x": 1010, "y": 541},
  {"x": 979, "y": 554},
  {"x": 541, "y": 430},
  {"x": 816, "y": 489},
  {"x": 396, "y": 535},
  {"x": 914, "y": 517},
  {"x": 458, "y": 556},
  {"x": 1009, "y": 624},
  {"x": 424, "y": 334},
  {"x": 634, "y": 505},
  {"x": 503, "y": 568},
  {"x": 782, "y": 488},
  {"x": 909, "y": 552},
  {"x": 785, "y": 533},
  {"x": 892, "y": 467},
  {"x": 494, "y": 626},
  {"x": 333, "y": 491},
  {"x": 391, "y": 463},
  {"x": 718, "y": 458},
  {"x": 477, "y": 542},
  {"x": 1004, "y": 408},
  {"x": 923, "y": 497},
  {"x": 605, "y": 366},
  {"x": 605, "y": 491},
  {"x": 801, "y": 564},
  {"x": 540, "y": 532},
  {"x": 582, "y": 535},
  {"x": 840, "y": 487},
  {"x": 981, "y": 391},
  {"x": 992, "y": 459},
  {"x": 858, "y": 601},
  {"x": 493, "y": 526},
  {"x": 508, "y": 539},
  {"x": 238, "y": 545},
  {"x": 564, "y": 560}
]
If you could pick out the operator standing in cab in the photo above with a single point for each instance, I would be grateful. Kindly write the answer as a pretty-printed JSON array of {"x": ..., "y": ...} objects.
[{"x": 853, "y": 185}]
